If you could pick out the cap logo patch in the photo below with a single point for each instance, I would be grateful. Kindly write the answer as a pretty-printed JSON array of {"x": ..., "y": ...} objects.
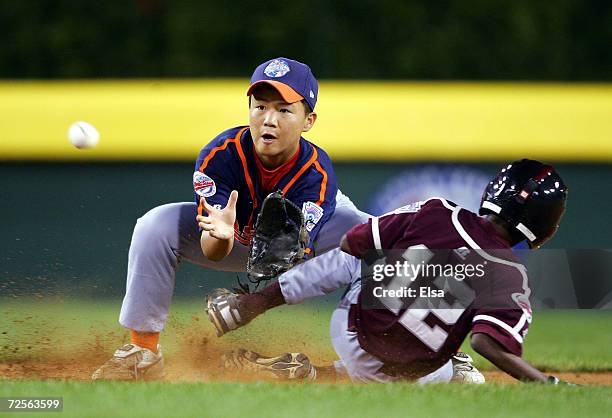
[
  {"x": 277, "y": 68},
  {"x": 312, "y": 214},
  {"x": 203, "y": 185}
]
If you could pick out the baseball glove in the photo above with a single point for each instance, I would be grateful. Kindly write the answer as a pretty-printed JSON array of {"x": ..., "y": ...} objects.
[{"x": 280, "y": 238}]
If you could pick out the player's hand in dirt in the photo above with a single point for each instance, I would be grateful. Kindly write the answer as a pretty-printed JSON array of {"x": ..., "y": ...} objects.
[
  {"x": 554, "y": 380},
  {"x": 220, "y": 222}
]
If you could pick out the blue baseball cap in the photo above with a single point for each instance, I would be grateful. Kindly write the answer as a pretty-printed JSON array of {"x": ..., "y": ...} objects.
[{"x": 292, "y": 79}]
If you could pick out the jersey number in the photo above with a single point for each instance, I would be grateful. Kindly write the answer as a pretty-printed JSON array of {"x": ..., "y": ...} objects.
[
  {"x": 433, "y": 337},
  {"x": 413, "y": 319}
]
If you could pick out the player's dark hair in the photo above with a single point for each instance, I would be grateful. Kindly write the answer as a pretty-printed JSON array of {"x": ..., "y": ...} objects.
[{"x": 307, "y": 108}]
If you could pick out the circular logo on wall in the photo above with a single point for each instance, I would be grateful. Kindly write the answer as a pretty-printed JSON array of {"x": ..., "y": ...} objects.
[
  {"x": 459, "y": 184},
  {"x": 277, "y": 68}
]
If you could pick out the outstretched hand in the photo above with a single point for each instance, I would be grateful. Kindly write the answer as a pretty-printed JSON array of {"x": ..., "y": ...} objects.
[{"x": 220, "y": 222}]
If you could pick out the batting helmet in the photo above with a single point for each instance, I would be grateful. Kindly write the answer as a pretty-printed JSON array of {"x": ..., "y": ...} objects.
[{"x": 528, "y": 195}]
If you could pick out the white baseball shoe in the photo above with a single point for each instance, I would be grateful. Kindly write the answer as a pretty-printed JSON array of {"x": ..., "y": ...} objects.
[
  {"x": 464, "y": 371},
  {"x": 132, "y": 362}
]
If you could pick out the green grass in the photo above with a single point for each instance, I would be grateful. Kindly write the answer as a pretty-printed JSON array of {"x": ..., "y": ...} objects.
[
  {"x": 567, "y": 341},
  {"x": 228, "y": 399},
  {"x": 557, "y": 340},
  {"x": 30, "y": 327}
]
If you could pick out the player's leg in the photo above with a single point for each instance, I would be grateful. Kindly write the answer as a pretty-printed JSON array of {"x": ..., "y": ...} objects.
[
  {"x": 161, "y": 239},
  {"x": 354, "y": 361},
  {"x": 344, "y": 218},
  {"x": 316, "y": 277},
  {"x": 443, "y": 375}
]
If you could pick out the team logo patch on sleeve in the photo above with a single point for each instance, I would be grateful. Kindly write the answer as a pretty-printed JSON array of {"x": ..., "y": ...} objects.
[
  {"x": 312, "y": 214},
  {"x": 203, "y": 185}
]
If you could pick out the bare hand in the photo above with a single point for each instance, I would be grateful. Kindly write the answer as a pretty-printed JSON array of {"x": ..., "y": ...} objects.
[{"x": 220, "y": 222}]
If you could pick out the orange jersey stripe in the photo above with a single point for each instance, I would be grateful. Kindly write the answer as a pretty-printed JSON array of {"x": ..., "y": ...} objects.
[
  {"x": 299, "y": 173},
  {"x": 219, "y": 148},
  {"x": 247, "y": 176},
  {"x": 228, "y": 141},
  {"x": 323, "y": 183},
  {"x": 249, "y": 181}
]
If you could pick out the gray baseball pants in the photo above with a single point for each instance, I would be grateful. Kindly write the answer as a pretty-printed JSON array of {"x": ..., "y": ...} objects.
[
  {"x": 323, "y": 275},
  {"x": 168, "y": 234}
]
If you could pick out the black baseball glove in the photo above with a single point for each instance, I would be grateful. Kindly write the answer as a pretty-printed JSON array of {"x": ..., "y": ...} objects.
[{"x": 280, "y": 238}]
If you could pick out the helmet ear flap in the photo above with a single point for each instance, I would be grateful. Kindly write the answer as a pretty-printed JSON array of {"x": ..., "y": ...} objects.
[{"x": 546, "y": 229}]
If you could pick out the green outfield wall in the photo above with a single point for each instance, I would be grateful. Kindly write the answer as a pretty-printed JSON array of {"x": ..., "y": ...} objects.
[
  {"x": 161, "y": 120},
  {"x": 390, "y": 39},
  {"x": 66, "y": 228}
]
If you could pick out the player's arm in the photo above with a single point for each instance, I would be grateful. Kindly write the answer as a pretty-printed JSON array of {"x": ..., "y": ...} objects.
[
  {"x": 214, "y": 183},
  {"x": 497, "y": 335},
  {"x": 510, "y": 363},
  {"x": 217, "y": 239},
  {"x": 314, "y": 278},
  {"x": 370, "y": 238}
]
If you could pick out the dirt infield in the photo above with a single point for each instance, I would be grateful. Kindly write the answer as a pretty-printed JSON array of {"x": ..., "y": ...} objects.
[
  {"x": 600, "y": 378},
  {"x": 200, "y": 363},
  {"x": 81, "y": 371},
  {"x": 58, "y": 355}
]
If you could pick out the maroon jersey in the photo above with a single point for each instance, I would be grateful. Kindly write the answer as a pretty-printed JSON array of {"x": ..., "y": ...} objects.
[{"x": 415, "y": 342}]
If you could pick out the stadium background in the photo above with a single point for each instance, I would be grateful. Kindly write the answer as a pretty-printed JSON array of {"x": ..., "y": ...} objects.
[
  {"x": 406, "y": 87},
  {"x": 416, "y": 98}
]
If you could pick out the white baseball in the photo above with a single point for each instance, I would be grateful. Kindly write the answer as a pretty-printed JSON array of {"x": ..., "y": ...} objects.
[{"x": 83, "y": 135}]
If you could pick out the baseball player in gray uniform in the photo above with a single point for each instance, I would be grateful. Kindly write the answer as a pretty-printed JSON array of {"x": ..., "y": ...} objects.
[{"x": 233, "y": 174}]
